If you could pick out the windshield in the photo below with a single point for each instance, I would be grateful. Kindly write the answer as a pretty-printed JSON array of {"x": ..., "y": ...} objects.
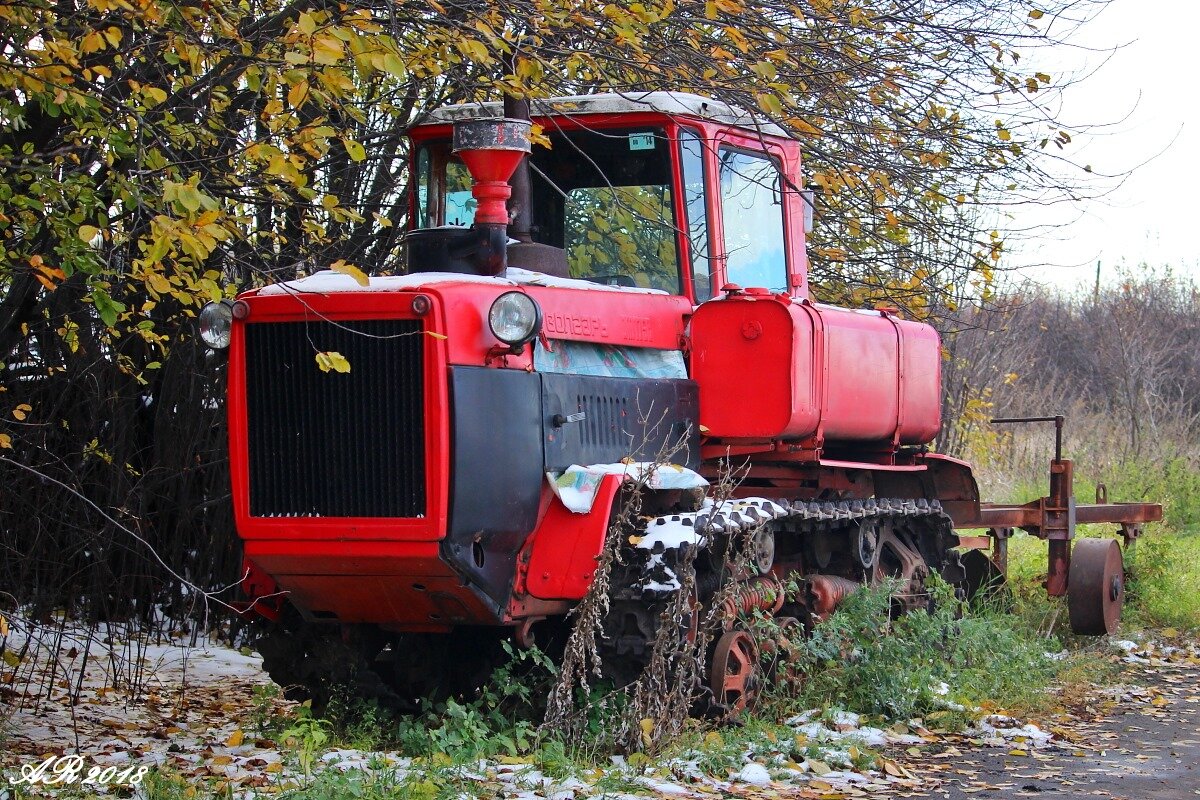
[{"x": 602, "y": 196}]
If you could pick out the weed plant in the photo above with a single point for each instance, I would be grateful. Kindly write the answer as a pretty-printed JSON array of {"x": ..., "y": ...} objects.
[{"x": 920, "y": 663}]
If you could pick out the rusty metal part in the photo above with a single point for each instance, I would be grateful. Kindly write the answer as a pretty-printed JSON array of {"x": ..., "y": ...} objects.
[
  {"x": 1096, "y": 590},
  {"x": 539, "y": 258},
  {"x": 1058, "y": 564},
  {"x": 733, "y": 675},
  {"x": 900, "y": 560},
  {"x": 984, "y": 579},
  {"x": 825, "y": 593},
  {"x": 764, "y": 593},
  {"x": 523, "y": 633}
]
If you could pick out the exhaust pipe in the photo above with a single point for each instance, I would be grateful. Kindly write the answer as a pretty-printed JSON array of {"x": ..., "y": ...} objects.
[{"x": 492, "y": 149}]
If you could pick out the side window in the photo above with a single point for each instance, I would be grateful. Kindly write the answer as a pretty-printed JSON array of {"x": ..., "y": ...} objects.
[
  {"x": 752, "y": 214},
  {"x": 443, "y": 188},
  {"x": 424, "y": 178},
  {"x": 691, "y": 151},
  {"x": 460, "y": 205}
]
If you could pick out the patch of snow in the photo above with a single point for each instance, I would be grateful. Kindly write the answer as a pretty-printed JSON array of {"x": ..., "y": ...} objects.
[
  {"x": 754, "y": 774},
  {"x": 527, "y": 278},
  {"x": 330, "y": 282}
]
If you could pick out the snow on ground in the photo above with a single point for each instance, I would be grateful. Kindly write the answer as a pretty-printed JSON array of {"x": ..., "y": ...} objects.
[{"x": 201, "y": 710}]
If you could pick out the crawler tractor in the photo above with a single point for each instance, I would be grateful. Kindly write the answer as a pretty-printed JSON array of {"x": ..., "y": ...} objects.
[{"x": 429, "y": 460}]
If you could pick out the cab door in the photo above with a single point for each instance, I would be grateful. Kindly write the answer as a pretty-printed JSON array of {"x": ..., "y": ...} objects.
[{"x": 759, "y": 226}]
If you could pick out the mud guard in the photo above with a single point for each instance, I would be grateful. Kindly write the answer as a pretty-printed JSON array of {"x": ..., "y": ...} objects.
[{"x": 563, "y": 548}]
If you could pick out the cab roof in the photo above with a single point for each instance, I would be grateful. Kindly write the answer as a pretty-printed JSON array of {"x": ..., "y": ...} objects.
[{"x": 672, "y": 103}]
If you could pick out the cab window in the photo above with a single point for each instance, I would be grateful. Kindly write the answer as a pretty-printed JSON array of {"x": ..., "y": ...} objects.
[
  {"x": 752, "y": 217},
  {"x": 602, "y": 195}
]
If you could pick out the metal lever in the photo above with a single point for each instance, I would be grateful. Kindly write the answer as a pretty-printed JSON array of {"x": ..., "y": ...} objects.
[
  {"x": 559, "y": 420},
  {"x": 1058, "y": 428}
]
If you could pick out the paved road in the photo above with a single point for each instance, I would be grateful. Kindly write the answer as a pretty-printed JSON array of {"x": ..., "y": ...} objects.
[{"x": 1145, "y": 747}]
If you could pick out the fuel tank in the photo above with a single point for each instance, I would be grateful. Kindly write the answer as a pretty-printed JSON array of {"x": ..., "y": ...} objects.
[{"x": 772, "y": 367}]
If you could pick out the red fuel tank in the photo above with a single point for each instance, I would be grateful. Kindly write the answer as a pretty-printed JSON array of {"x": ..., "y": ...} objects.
[{"x": 771, "y": 367}]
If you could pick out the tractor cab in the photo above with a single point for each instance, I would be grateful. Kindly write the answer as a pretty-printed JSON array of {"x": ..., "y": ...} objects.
[{"x": 663, "y": 191}]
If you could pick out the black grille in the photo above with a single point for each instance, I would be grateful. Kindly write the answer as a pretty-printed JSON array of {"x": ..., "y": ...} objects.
[
  {"x": 605, "y": 423},
  {"x": 329, "y": 444}
]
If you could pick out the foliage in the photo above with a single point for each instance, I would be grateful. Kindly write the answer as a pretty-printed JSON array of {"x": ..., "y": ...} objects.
[
  {"x": 1164, "y": 586},
  {"x": 155, "y": 155},
  {"x": 502, "y": 719},
  {"x": 862, "y": 659}
]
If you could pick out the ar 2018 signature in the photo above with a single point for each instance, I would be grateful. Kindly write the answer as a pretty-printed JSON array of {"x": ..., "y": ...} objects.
[{"x": 71, "y": 769}]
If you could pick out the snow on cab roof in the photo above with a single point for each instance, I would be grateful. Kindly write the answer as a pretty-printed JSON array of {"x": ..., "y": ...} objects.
[{"x": 674, "y": 103}]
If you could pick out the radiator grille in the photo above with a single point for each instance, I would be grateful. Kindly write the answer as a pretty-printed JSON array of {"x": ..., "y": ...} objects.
[{"x": 328, "y": 444}]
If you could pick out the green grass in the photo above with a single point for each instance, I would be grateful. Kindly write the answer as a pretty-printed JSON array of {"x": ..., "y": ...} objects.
[
  {"x": 864, "y": 661},
  {"x": 1163, "y": 590}
]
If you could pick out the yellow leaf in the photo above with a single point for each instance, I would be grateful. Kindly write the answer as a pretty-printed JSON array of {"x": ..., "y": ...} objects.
[
  {"x": 359, "y": 276},
  {"x": 235, "y": 739},
  {"x": 222, "y": 761},
  {"x": 273, "y": 767},
  {"x": 323, "y": 362},
  {"x": 11, "y": 658},
  {"x": 1036, "y": 14},
  {"x": 337, "y": 362},
  {"x": 1004, "y": 135},
  {"x": 647, "y": 726},
  {"x": 355, "y": 150},
  {"x": 437, "y": 335},
  {"x": 297, "y": 94},
  {"x": 474, "y": 50},
  {"x": 5, "y": 441},
  {"x": 21, "y": 411},
  {"x": 158, "y": 282},
  {"x": 3, "y": 626},
  {"x": 88, "y": 232}
]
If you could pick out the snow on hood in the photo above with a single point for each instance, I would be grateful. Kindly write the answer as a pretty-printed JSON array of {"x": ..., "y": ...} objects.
[
  {"x": 330, "y": 282},
  {"x": 577, "y": 485}
]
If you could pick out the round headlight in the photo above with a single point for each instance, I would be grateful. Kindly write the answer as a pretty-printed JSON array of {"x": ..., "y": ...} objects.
[
  {"x": 216, "y": 321},
  {"x": 515, "y": 318}
]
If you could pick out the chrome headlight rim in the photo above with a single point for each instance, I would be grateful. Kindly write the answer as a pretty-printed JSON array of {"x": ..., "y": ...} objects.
[
  {"x": 519, "y": 308},
  {"x": 216, "y": 324}
]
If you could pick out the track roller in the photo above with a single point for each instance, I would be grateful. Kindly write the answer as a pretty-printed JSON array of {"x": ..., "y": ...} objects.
[{"x": 734, "y": 674}]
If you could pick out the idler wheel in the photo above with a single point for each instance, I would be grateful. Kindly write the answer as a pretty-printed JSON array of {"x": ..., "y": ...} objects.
[
  {"x": 1095, "y": 587},
  {"x": 734, "y": 673},
  {"x": 865, "y": 544},
  {"x": 762, "y": 550}
]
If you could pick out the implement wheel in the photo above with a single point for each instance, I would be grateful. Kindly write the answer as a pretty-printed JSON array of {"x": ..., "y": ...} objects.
[
  {"x": 734, "y": 674},
  {"x": 1095, "y": 587}
]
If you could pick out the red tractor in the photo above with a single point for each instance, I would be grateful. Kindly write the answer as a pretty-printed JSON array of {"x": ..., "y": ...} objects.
[{"x": 428, "y": 462}]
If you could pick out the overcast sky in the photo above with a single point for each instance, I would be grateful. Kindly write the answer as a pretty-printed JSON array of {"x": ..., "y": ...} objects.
[{"x": 1147, "y": 95}]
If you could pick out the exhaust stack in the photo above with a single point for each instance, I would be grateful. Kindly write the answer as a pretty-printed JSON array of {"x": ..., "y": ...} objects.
[{"x": 491, "y": 149}]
